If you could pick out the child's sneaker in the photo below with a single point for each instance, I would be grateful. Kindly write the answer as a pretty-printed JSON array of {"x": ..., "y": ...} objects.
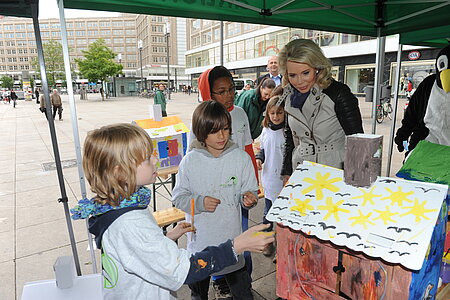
[{"x": 221, "y": 289}]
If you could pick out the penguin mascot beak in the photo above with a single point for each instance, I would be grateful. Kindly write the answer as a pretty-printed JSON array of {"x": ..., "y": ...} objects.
[{"x": 443, "y": 69}]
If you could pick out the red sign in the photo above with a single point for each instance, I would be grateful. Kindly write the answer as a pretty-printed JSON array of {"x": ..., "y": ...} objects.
[{"x": 414, "y": 55}]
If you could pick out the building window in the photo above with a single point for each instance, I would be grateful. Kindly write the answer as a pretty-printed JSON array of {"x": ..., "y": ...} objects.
[
  {"x": 131, "y": 56},
  {"x": 105, "y": 32},
  {"x": 130, "y": 40},
  {"x": 92, "y": 24},
  {"x": 118, "y": 40},
  {"x": 80, "y": 33},
  {"x": 117, "y": 23},
  {"x": 130, "y": 24},
  {"x": 131, "y": 65},
  {"x": 79, "y": 24},
  {"x": 104, "y": 23},
  {"x": 92, "y": 32},
  {"x": 130, "y": 32},
  {"x": 206, "y": 37},
  {"x": 81, "y": 42},
  {"x": 118, "y": 49},
  {"x": 117, "y": 32}
]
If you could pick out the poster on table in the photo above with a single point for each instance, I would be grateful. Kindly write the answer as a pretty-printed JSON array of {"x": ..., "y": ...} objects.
[{"x": 169, "y": 138}]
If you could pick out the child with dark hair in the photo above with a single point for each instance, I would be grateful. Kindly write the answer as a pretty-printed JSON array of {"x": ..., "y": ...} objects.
[
  {"x": 219, "y": 177},
  {"x": 217, "y": 84},
  {"x": 138, "y": 261}
]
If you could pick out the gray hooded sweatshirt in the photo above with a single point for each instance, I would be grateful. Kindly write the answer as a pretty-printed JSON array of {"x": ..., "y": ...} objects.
[{"x": 226, "y": 178}]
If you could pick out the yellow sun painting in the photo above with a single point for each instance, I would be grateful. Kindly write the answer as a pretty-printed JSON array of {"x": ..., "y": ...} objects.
[
  {"x": 367, "y": 196},
  {"x": 333, "y": 208},
  {"x": 362, "y": 219},
  {"x": 302, "y": 206},
  {"x": 385, "y": 215},
  {"x": 398, "y": 197},
  {"x": 418, "y": 210},
  {"x": 321, "y": 183}
]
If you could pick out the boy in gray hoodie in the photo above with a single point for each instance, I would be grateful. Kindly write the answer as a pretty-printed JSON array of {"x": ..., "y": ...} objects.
[{"x": 219, "y": 177}]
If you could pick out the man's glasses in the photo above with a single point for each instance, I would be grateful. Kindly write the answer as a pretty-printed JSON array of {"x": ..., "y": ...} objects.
[{"x": 221, "y": 93}]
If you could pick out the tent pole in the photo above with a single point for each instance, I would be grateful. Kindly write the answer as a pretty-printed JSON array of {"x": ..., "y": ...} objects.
[
  {"x": 394, "y": 116},
  {"x": 63, "y": 199},
  {"x": 73, "y": 116},
  {"x": 379, "y": 63},
  {"x": 221, "y": 43}
]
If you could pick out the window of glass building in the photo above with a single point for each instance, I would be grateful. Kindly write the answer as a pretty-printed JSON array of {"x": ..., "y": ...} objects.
[
  {"x": 104, "y": 23},
  {"x": 206, "y": 37},
  {"x": 357, "y": 77},
  {"x": 249, "y": 48},
  {"x": 216, "y": 34},
  {"x": 259, "y": 46},
  {"x": 416, "y": 71}
]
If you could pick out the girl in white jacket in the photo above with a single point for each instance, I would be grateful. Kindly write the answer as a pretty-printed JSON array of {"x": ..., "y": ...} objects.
[{"x": 270, "y": 157}]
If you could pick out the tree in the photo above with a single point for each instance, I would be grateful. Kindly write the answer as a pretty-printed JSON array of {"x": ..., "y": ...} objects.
[
  {"x": 54, "y": 62},
  {"x": 7, "y": 82},
  {"x": 98, "y": 63}
]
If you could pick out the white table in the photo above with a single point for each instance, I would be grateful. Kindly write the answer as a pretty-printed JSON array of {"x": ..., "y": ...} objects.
[{"x": 87, "y": 287}]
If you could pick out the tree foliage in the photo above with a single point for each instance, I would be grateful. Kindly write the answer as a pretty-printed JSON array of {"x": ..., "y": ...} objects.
[
  {"x": 54, "y": 62},
  {"x": 98, "y": 63},
  {"x": 7, "y": 82}
]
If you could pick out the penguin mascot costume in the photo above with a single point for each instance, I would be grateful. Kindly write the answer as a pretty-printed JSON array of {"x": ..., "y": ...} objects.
[{"x": 427, "y": 116}]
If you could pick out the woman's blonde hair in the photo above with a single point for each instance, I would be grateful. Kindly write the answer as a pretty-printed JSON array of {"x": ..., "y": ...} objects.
[
  {"x": 306, "y": 52},
  {"x": 110, "y": 159},
  {"x": 273, "y": 102}
]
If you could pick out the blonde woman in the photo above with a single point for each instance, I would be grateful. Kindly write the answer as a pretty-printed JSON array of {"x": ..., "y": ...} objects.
[{"x": 320, "y": 111}]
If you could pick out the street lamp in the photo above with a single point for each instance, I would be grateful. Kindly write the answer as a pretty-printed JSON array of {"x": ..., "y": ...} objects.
[
  {"x": 119, "y": 57},
  {"x": 140, "y": 46},
  {"x": 167, "y": 49}
]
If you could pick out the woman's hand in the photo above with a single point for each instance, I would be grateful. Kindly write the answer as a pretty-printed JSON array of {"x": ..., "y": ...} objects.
[
  {"x": 250, "y": 199},
  {"x": 254, "y": 239},
  {"x": 210, "y": 203},
  {"x": 259, "y": 164},
  {"x": 179, "y": 230}
]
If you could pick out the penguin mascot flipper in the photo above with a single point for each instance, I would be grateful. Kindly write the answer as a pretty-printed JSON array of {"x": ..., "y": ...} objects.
[
  {"x": 413, "y": 126},
  {"x": 437, "y": 116},
  {"x": 431, "y": 89}
]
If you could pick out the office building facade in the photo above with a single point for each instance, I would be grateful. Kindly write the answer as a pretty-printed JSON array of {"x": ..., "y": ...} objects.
[{"x": 247, "y": 48}]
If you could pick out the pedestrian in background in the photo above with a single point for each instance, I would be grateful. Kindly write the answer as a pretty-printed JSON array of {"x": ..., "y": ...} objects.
[
  {"x": 57, "y": 104},
  {"x": 14, "y": 98},
  {"x": 161, "y": 99},
  {"x": 36, "y": 94}
]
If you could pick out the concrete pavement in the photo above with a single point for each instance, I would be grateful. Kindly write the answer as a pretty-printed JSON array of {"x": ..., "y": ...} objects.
[{"x": 33, "y": 230}]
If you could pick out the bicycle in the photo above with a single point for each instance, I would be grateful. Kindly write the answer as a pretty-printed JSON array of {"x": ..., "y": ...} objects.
[{"x": 384, "y": 109}]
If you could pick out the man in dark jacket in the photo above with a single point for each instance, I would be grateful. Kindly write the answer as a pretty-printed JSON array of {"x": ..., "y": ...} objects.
[{"x": 272, "y": 67}]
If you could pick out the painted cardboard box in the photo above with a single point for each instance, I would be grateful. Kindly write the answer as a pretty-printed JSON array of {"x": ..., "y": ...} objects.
[
  {"x": 169, "y": 138},
  {"x": 386, "y": 239}
]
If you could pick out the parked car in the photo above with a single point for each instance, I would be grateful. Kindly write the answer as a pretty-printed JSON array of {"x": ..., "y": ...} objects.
[{"x": 241, "y": 82}]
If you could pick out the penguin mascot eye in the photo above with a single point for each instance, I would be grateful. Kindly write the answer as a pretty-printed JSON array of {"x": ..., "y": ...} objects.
[{"x": 442, "y": 63}]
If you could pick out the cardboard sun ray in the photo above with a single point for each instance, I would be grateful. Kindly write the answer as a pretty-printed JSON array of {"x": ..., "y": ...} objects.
[{"x": 393, "y": 219}]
